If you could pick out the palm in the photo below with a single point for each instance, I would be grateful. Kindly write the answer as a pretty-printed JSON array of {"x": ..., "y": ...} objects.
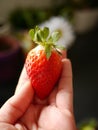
[{"x": 48, "y": 116}]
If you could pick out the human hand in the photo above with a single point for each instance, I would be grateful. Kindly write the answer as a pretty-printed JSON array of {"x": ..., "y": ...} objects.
[{"x": 24, "y": 112}]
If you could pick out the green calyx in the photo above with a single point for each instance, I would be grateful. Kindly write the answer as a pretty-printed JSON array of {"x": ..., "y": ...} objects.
[{"x": 43, "y": 37}]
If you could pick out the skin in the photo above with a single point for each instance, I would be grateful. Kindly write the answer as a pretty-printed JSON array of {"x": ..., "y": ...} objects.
[{"x": 24, "y": 111}]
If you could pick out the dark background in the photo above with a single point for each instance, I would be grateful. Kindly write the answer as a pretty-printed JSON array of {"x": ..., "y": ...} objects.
[{"x": 83, "y": 55}]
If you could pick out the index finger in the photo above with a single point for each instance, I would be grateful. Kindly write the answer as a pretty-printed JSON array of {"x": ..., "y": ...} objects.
[{"x": 22, "y": 79}]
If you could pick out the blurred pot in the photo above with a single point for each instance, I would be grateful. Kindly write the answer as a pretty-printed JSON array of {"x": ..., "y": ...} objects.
[{"x": 11, "y": 58}]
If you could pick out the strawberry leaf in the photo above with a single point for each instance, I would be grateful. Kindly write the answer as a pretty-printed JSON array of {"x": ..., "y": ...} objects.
[
  {"x": 37, "y": 29},
  {"x": 55, "y": 36},
  {"x": 40, "y": 36},
  {"x": 48, "y": 51},
  {"x": 45, "y": 33},
  {"x": 50, "y": 39},
  {"x": 32, "y": 33}
]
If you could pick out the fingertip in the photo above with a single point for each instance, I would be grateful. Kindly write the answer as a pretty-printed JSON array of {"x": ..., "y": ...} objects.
[
  {"x": 64, "y": 53},
  {"x": 67, "y": 62},
  {"x": 67, "y": 67},
  {"x": 22, "y": 79}
]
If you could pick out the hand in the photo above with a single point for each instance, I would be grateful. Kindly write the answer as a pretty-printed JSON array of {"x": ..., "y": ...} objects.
[{"x": 24, "y": 112}]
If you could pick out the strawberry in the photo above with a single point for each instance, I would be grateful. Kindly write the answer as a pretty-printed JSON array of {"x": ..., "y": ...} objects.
[{"x": 44, "y": 62}]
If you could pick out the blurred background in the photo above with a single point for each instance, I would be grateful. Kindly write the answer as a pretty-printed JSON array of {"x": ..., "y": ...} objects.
[{"x": 77, "y": 20}]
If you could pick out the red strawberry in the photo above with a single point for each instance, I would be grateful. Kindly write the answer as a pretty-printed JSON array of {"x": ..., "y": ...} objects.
[{"x": 43, "y": 63}]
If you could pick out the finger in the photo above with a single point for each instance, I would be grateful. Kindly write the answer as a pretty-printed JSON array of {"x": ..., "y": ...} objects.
[
  {"x": 5, "y": 126},
  {"x": 65, "y": 91},
  {"x": 15, "y": 107},
  {"x": 52, "y": 97},
  {"x": 64, "y": 53},
  {"x": 23, "y": 78},
  {"x": 20, "y": 126}
]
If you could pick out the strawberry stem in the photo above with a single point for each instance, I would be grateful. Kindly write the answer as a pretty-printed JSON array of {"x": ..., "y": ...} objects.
[{"x": 44, "y": 38}]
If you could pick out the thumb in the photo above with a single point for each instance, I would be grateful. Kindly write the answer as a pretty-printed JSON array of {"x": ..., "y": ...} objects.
[
  {"x": 15, "y": 107},
  {"x": 64, "y": 54}
]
